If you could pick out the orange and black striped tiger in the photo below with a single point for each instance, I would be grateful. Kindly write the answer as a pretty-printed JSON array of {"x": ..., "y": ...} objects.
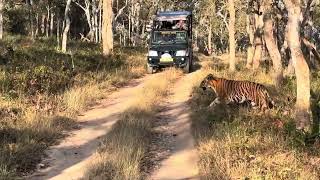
[{"x": 231, "y": 91}]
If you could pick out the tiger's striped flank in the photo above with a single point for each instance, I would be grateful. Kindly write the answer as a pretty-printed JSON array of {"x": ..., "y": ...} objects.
[{"x": 232, "y": 91}]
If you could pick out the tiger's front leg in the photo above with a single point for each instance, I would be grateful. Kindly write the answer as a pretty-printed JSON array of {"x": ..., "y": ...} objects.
[{"x": 216, "y": 101}]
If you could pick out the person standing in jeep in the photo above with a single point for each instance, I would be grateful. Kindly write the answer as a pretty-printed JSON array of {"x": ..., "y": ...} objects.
[
  {"x": 180, "y": 25},
  {"x": 171, "y": 41}
]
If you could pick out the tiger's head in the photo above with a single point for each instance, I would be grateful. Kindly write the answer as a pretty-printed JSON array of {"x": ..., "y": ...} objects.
[{"x": 208, "y": 82}]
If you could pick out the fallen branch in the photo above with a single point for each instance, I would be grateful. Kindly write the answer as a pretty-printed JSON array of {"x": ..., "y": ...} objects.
[{"x": 83, "y": 38}]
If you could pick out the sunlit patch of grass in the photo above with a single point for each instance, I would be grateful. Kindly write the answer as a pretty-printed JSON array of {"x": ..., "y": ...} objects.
[
  {"x": 122, "y": 152},
  {"x": 238, "y": 143},
  {"x": 77, "y": 99}
]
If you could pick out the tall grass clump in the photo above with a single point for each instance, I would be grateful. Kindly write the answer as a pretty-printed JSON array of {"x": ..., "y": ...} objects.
[
  {"x": 240, "y": 143},
  {"x": 123, "y": 150},
  {"x": 77, "y": 99},
  {"x": 42, "y": 90}
]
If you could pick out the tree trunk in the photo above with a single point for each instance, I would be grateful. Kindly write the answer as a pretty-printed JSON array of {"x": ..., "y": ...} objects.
[
  {"x": 1, "y": 19},
  {"x": 37, "y": 25},
  {"x": 31, "y": 18},
  {"x": 95, "y": 21},
  {"x": 195, "y": 42},
  {"x": 124, "y": 35},
  {"x": 258, "y": 41},
  {"x": 250, "y": 51},
  {"x": 289, "y": 71},
  {"x": 143, "y": 29},
  {"x": 210, "y": 39},
  {"x": 100, "y": 24},
  {"x": 136, "y": 23},
  {"x": 47, "y": 21},
  {"x": 232, "y": 42},
  {"x": 107, "y": 34},
  {"x": 58, "y": 31},
  {"x": 43, "y": 18},
  {"x": 273, "y": 49},
  {"x": 302, "y": 113},
  {"x": 93, "y": 30},
  {"x": 51, "y": 23},
  {"x": 66, "y": 27},
  {"x": 129, "y": 28}
]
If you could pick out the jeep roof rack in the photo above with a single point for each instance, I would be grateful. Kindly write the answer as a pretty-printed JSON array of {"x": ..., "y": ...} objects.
[{"x": 173, "y": 15}]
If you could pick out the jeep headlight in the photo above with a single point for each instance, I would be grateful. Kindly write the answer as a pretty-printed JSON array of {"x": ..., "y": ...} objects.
[
  {"x": 181, "y": 53},
  {"x": 152, "y": 53}
]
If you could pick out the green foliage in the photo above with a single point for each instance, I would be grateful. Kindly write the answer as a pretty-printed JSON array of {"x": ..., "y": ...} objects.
[{"x": 16, "y": 21}]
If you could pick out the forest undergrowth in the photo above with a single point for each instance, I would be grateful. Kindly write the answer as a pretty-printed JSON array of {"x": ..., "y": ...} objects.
[
  {"x": 240, "y": 143},
  {"x": 43, "y": 90}
]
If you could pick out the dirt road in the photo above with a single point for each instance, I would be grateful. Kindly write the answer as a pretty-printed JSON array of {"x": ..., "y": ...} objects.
[
  {"x": 70, "y": 158},
  {"x": 181, "y": 162}
]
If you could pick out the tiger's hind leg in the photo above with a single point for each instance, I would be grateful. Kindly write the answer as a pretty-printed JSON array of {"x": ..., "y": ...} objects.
[{"x": 254, "y": 105}]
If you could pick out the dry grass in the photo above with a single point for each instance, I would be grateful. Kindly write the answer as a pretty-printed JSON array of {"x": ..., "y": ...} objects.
[
  {"x": 77, "y": 99},
  {"x": 122, "y": 152},
  {"x": 41, "y": 93},
  {"x": 239, "y": 143}
]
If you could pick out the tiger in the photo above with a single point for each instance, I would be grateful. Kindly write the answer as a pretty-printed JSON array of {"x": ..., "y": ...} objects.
[{"x": 238, "y": 92}]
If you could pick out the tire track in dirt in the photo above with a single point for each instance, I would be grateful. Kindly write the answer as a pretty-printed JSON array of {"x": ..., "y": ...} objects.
[
  {"x": 180, "y": 161},
  {"x": 70, "y": 158}
]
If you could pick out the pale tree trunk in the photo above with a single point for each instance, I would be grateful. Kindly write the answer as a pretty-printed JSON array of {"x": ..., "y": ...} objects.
[
  {"x": 43, "y": 27},
  {"x": 258, "y": 41},
  {"x": 66, "y": 27},
  {"x": 232, "y": 42},
  {"x": 124, "y": 35},
  {"x": 273, "y": 49},
  {"x": 31, "y": 18},
  {"x": 143, "y": 29},
  {"x": 1, "y": 19},
  {"x": 290, "y": 69},
  {"x": 136, "y": 22},
  {"x": 250, "y": 51},
  {"x": 196, "y": 46},
  {"x": 95, "y": 21},
  {"x": 210, "y": 39},
  {"x": 107, "y": 34},
  {"x": 51, "y": 23},
  {"x": 93, "y": 31},
  {"x": 58, "y": 31},
  {"x": 130, "y": 27},
  {"x": 48, "y": 21},
  {"x": 100, "y": 24},
  {"x": 302, "y": 113},
  {"x": 37, "y": 25}
]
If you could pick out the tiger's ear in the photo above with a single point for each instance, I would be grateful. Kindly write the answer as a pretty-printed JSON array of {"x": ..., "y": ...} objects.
[{"x": 210, "y": 77}]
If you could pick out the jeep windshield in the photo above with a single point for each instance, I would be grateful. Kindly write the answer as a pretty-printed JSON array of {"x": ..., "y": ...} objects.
[{"x": 169, "y": 37}]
